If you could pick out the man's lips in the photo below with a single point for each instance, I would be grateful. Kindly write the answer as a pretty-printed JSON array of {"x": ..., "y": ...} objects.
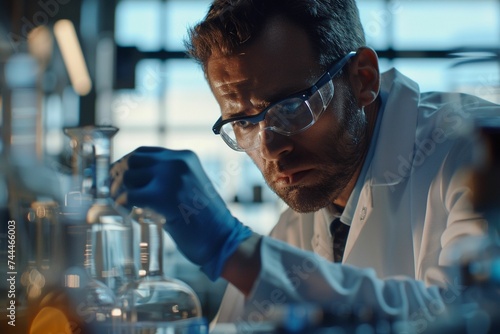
[{"x": 290, "y": 178}]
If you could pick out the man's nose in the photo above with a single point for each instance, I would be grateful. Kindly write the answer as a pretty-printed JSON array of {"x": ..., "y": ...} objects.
[{"x": 273, "y": 145}]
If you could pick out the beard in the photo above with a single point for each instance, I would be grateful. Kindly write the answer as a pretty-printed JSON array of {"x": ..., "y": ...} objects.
[{"x": 342, "y": 153}]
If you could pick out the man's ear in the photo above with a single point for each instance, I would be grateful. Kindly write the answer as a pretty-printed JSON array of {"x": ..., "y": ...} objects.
[{"x": 364, "y": 75}]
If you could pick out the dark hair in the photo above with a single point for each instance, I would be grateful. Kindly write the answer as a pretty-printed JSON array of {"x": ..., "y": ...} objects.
[{"x": 332, "y": 25}]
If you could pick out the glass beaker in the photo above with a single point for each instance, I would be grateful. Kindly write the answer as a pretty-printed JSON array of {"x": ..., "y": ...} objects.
[
  {"x": 82, "y": 161},
  {"x": 45, "y": 256},
  {"x": 55, "y": 293},
  {"x": 154, "y": 297}
]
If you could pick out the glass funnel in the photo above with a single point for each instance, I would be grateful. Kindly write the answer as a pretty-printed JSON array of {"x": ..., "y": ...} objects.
[{"x": 154, "y": 297}]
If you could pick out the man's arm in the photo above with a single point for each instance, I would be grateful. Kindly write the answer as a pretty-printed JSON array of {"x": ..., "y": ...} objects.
[
  {"x": 243, "y": 267},
  {"x": 289, "y": 276},
  {"x": 292, "y": 275}
]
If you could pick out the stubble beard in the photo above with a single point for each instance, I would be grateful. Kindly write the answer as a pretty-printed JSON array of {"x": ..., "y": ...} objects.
[{"x": 344, "y": 150}]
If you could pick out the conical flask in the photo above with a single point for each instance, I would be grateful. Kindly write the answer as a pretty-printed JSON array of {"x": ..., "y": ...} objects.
[{"x": 155, "y": 297}]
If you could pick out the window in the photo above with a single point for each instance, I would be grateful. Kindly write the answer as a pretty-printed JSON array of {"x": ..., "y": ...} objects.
[{"x": 172, "y": 106}]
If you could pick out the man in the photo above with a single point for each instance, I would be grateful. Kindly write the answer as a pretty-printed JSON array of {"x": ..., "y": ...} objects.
[{"x": 302, "y": 95}]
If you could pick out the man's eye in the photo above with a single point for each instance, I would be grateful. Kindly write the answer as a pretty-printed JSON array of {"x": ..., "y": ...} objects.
[
  {"x": 288, "y": 107},
  {"x": 242, "y": 124}
]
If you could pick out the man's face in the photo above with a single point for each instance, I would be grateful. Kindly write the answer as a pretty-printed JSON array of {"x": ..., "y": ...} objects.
[{"x": 311, "y": 169}]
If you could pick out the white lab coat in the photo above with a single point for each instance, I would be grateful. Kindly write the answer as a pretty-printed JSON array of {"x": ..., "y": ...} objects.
[{"x": 412, "y": 208}]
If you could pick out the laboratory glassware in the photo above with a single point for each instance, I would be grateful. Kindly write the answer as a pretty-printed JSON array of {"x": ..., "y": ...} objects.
[{"x": 155, "y": 297}]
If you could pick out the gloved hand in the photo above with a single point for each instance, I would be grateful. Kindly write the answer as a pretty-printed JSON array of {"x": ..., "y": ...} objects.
[{"x": 174, "y": 184}]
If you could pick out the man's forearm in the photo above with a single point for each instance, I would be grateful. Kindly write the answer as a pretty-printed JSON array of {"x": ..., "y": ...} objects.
[{"x": 243, "y": 267}]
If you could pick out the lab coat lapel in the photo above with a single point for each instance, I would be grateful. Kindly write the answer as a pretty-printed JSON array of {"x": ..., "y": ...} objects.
[
  {"x": 396, "y": 139},
  {"x": 395, "y": 142}
]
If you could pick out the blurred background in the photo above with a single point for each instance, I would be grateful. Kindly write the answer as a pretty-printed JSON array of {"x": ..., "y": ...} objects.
[
  {"x": 127, "y": 68},
  {"x": 137, "y": 77}
]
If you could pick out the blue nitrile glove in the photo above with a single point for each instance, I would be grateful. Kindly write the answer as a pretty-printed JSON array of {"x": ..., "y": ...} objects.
[{"x": 174, "y": 184}]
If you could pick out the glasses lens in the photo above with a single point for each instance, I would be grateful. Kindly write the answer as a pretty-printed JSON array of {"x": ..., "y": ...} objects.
[
  {"x": 240, "y": 135},
  {"x": 320, "y": 100},
  {"x": 289, "y": 116}
]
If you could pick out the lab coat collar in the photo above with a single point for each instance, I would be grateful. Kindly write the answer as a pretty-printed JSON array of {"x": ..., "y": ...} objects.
[{"x": 394, "y": 144}]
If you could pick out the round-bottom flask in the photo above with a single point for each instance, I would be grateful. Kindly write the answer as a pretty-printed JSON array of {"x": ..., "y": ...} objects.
[{"x": 154, "y": 297}]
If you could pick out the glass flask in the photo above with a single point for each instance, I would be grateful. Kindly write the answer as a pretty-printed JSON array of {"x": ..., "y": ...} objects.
[
  {"x": 109, "y": 251},
  {"x": 59, "y": 299},
  {"x": 98, "y": 237},
  {"x": 154, "y": 297}
]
